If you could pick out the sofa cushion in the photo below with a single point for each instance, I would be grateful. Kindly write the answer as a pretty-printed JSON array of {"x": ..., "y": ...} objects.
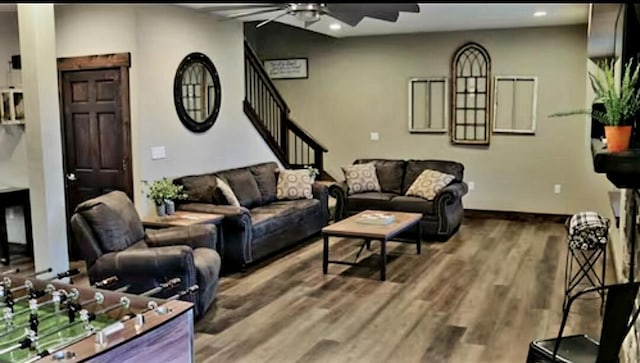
[
  {"x": 416, "y": 167},
  {"x": 390, "y": 173},
  {"x": 370, "y": 200},
  {"x": 412, "y": 205},
  {"x": 281, "y": 215},
  {"x": 201, "y": 189},
  {"x": 227, "y": 193},
  {"x": 294, "y": 184},
  {"x": 266, "y": 179},
  {"x": 361, "y": 178},
  {"x": 114, "y": 220},
  {"x": 429, "y": 183},
  {"x": 244, "y": 186}
]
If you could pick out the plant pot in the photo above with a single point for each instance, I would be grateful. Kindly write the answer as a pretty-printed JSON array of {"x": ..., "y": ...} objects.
[
  {"x": 618, "y": 137},
  {"x": 161, "y": 210},
  {"x": 170, "y": 206}
]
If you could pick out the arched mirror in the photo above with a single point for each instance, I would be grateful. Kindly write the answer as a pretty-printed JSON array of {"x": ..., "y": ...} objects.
[{"x": 196, "y": 92}]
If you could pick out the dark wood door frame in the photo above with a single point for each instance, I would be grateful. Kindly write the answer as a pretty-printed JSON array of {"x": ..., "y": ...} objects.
[{"x": 121, "y": 61}]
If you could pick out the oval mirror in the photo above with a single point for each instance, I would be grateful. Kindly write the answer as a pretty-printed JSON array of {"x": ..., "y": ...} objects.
[{"x": 196, "y": 92}]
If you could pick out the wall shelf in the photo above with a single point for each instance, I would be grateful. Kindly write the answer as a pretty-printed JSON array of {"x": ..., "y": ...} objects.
[
  {"x": 621, "y": 168},
  {"x": 11, "y": 106}
]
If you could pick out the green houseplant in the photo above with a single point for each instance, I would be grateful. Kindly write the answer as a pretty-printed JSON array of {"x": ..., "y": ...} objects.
[
  {"x": 621, "y": 103},
  {"x": 164, "y": 192}
]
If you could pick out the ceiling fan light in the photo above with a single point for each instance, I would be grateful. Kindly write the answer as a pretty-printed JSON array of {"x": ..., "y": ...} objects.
[{"x": 307, "y": 15}]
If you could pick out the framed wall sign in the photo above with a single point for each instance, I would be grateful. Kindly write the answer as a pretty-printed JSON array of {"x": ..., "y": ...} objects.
[{"x": 292, "y": 68}]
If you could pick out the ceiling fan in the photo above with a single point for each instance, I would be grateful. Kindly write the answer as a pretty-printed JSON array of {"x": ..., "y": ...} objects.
[{"x": 310, "y": 13}]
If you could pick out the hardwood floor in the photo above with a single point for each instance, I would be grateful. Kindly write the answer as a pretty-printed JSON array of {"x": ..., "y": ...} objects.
[{"x": 480, "y": 297}]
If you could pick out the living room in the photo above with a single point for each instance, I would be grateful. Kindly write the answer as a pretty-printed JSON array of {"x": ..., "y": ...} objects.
[{"x": 487, "y": 277}]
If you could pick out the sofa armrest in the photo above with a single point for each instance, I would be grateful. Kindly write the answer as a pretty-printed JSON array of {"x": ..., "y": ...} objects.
[
  {"x": 455, "y": 190},
  {"x": 236, "y": 230},
  {"x": 148, "y": 263},
  {"x": 194, "y": 236},
  {"x": 338, "y": 190},
  {"x": 321, "y": 192}
]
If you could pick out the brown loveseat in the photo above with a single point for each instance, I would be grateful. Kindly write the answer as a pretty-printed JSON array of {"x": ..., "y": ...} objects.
[
  {"x": 262, "y": 224},
  {"x": 441, "y": 216}
]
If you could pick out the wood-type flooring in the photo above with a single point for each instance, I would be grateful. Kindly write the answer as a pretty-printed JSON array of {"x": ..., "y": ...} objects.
[
  {"x": 483, "y": 296},
  {"x": 480, "y": 297}
]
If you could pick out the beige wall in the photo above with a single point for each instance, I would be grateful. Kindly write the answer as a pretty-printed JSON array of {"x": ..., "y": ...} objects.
[
  {"x": 158, "y": 38},
  {"x": 13, "y": 147},
  {"x": 359, "y": 85}
]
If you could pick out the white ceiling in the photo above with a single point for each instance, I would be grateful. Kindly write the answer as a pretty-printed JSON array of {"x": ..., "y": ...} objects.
[{"x": 436, "y": 17}]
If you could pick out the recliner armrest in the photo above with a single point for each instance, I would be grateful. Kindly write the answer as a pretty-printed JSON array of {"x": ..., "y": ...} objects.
[
  {"x": 194, "y": 236},
  {"x": 161, "y": 262}
]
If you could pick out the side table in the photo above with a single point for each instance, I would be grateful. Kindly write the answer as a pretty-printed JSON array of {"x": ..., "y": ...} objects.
[{"x": 183, "y": 219}]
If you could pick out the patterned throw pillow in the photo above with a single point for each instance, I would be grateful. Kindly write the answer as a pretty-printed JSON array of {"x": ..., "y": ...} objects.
[
  {"x": 429, "y": 183},
  {"x": 228, "y": 193},
  {"x": 361, "y": 178},
  {"x": 294, "y": 184}
]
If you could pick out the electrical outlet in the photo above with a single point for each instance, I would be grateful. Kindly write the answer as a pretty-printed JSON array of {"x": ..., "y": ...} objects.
[
  {"x": 471, "y": 185},
  {"x": 557, "y": 188},
  {"x": 375, "y": 136}
]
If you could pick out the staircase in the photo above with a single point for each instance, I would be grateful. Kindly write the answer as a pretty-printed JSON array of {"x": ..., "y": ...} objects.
[{"x": 269, "y": 113}]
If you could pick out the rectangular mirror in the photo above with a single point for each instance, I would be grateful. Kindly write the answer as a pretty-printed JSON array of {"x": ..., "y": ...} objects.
[{"x": 428, "y": 106}]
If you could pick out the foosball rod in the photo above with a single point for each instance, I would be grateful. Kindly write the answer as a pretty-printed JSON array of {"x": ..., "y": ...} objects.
[
  {"x": 62, "y": 275},
  {"x": 12, "y": 271},
  {"x": 42, "y": 272},
  {"x": 163, "y": 286},
  {"x": 152, "y": 305}
]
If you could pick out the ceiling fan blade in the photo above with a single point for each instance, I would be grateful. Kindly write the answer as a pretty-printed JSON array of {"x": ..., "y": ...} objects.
[
  {"x": 343, "y": 16},
  {"x": 388, "y": 16},
  {"x": 409, "y": 8},
  {"x": 270, "y": 10},
  {"x": 272, "y": 19},
  {"x": 214, "y": 8},
  {"x": 309, "y": 23}
]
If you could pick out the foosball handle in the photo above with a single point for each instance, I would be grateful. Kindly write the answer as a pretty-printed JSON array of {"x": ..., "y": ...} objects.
[
  {"x": 68, "y": 273},
  {"x": 191, "y": 290},
  {"x": 106, "y": 282}
]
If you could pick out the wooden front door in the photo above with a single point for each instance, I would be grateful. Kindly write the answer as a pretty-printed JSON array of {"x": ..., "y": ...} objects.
[{"x": 95, "y": 128}]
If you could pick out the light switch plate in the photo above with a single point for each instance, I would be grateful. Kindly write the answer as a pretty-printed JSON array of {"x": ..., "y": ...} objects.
[
  {"x": 158, "y": 152},
  {"x": 375, "y": 136}
]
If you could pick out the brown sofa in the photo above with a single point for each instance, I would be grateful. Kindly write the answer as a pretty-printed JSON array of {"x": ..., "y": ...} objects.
[
  {"x": 441, "y": 216},
  {"x": 262, "y": 225}
]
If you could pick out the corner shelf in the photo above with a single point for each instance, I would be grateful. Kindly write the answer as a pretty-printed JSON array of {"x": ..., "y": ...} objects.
[
  {"x": 11, "y": 106},
  {"x": 621, "y": 168}
]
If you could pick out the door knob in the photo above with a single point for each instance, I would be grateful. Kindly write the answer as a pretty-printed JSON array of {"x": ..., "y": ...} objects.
[{"x": 71, "y": 177}]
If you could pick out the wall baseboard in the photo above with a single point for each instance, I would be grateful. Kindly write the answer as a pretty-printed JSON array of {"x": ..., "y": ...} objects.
[{"x": 516, "y": 216}]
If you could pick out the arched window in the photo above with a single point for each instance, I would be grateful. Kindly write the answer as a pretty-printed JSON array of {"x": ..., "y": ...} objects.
[{"x": 471, "y": 78}]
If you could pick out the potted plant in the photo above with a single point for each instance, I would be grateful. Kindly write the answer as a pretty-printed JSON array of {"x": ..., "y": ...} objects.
[
  {"x": 174, "y": 192},
  {"x": 159, "y": 191},
  {"x": 621, "y": 103}
]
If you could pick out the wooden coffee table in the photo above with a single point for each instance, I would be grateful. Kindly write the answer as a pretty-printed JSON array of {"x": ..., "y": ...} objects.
[
  {"x": 184, "y": 218},
  {"x": 350, "y": 227}
]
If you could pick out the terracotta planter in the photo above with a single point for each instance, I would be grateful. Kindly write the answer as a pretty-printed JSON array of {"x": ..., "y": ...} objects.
[{"x": 618, "y": 137}]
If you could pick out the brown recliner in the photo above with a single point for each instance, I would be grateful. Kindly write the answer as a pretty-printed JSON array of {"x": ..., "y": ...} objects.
[{"x": 111, "y": 239}]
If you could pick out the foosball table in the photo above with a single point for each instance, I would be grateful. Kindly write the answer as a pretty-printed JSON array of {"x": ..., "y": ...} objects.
[{"x": 48, "y": 320}]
